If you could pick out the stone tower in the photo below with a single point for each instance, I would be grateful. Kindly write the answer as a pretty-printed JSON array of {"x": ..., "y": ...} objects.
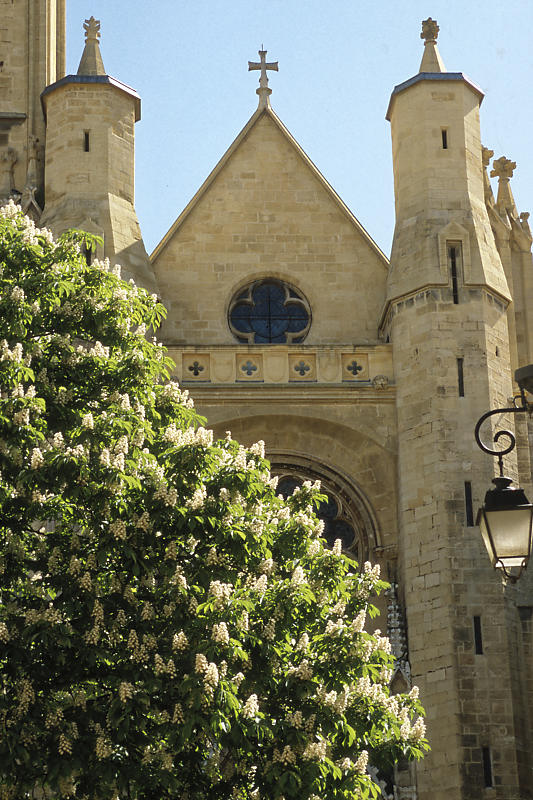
[
  {"x": 89, "y": 165},
  {"x": 32, "y": 55},
  {"x": 446, "y": 316}
]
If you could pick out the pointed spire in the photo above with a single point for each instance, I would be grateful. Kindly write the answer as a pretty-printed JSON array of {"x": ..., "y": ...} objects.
[
  {"x": 91, "y": 60},
  {"x": 264, "y": 92},
  {"x": 431, "y": 60}
]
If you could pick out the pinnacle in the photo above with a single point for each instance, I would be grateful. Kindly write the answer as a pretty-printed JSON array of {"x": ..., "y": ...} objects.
[
  {"x": 431, "y": 60},
  {"x": 91, "y": 60}
]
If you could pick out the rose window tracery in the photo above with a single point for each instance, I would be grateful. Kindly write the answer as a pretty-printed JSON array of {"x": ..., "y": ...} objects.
[{"x": 269, "y": 312}]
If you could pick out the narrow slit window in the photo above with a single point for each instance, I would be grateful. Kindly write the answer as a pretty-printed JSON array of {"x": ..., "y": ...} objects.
[
  {"x": 453, "y": 257},
  {"x": 487, "y": 766},
  {"x": 86, "y": 141},
  {"x": 460, "y": 377},
  {"x": 478, "y": 639},
  {"x": 469, "y": 511},
  {"x": 444, "y": 133}
]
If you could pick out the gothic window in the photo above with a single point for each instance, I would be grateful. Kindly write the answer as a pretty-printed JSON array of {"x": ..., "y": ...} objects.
[
  {"x": 334, "y": 514},
  {"x": 269, "y": 312}
]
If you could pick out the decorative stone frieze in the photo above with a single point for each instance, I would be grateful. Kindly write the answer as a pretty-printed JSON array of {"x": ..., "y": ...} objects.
[
  {"x": 335, "y": 365},
  {"x": 249, "y": 367},
  {"x": 354, "y": 367},
  {"x": 302, "y": 367},
  {"x": 196, "y": 367}
]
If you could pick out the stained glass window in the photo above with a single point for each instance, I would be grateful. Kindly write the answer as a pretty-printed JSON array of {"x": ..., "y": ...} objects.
[{"x": 269, "y": 312}]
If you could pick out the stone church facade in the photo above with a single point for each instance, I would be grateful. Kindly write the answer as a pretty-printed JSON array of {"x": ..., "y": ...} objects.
[{"x": 289, "y": 324}]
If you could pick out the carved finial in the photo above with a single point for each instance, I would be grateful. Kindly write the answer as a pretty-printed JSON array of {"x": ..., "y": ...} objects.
[
  {"x": 91, "y": 60},
  {"x": 503, "y": 168},
  {"x": 430, "y": 30},
  {"x": 486, "y": 156},
  {"x": 431, "y": 60},
  {"x": 264, "y": 92},
  {"x": 92, "y": 29}
]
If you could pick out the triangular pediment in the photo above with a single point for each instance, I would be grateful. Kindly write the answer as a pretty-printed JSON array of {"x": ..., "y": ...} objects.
[
  {"x": 261, "y": 115},
  {"x": 266, "y": 212}
]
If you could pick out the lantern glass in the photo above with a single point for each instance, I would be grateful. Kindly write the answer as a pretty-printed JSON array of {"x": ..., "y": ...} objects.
[{"x": 507, "y": 535}]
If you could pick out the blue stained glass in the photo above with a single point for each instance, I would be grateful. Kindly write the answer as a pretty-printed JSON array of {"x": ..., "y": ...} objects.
[{"x": 267, "y": 311}]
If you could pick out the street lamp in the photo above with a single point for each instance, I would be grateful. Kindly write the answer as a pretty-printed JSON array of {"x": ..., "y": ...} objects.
[{"x": 506, "y": 517}]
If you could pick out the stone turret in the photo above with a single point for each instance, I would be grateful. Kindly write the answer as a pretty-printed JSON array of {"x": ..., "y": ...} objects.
[
  {"x": 90, "y": 155},
  {"x": 446, "y": 316}
]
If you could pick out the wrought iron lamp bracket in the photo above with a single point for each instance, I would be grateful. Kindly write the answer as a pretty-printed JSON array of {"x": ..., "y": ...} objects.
[{"x": 514, "y": 409}]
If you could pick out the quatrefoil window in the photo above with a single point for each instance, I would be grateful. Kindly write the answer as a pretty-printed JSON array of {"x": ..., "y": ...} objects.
[{"x": 269, "y": 312}]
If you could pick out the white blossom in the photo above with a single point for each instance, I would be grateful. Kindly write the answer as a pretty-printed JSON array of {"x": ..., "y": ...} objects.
[
  {"x": 251, "y": 708},
  {"x": 359, "y": 622},
  {"x": 197, "y": 500},
  {"x": 17, "y": 294},
  {"x": 211, "y": 675},
  {"x": 118, "y": 529},
  {"x": 373, "y": 571},
  {"x": 361, "y": 763},
  {"x": 220, "y": 633},
  {"x": 258, "y": 449},
  {"x": 418, "y": 731},
  {"x": 221, "y": 592},
  {"x": 37, "y": 459},
  {"x": 298, "y": 577},
  {"x": 200, "y": 663},
  {"x": 180, "y": 641},
  {"x": 316, "y": 751}
]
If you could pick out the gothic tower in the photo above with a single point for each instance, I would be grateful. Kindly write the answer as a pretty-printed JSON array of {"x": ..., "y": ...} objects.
[
  {"x": 32, "y": 55},
  {"x": 446, "y": 316},
  {"x": 89, "y": 166}
]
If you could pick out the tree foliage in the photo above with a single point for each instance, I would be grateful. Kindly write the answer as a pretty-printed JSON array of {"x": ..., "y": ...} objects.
[{"x": 169, "y": 627}]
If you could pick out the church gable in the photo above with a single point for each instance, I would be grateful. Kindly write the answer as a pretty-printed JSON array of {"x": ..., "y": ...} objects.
[{"x": 267, "y": 212}]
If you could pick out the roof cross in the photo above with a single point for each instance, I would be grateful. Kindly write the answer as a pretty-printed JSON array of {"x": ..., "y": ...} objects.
[{"x": 263, "y": 65}]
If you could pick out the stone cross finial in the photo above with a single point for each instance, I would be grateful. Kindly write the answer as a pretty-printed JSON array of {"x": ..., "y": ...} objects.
[
  {"x": 263, "y": 65},
  {"x": 92, "y": 29},
  {"x": 430, "y": 30},
  {"x": 503, "y": 168}
]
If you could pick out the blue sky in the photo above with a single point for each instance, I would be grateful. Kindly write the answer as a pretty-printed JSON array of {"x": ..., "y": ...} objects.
[{"x": 338, "y": 63}]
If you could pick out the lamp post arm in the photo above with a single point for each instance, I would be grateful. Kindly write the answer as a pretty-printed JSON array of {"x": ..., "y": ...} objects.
[{"x": 499, "y": 454}]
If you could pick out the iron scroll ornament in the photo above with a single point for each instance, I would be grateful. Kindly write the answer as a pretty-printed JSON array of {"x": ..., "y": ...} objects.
[{"x": 499, "y": 454}]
